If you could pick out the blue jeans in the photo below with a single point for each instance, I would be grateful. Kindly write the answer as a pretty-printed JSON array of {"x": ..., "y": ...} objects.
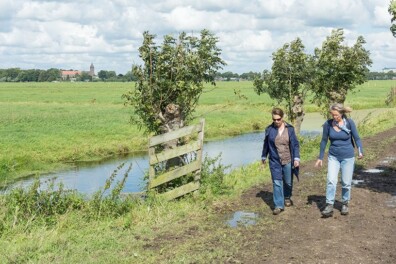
[
  {"x": 334, "y": 165},
  {"x": 283, "y": 188}
]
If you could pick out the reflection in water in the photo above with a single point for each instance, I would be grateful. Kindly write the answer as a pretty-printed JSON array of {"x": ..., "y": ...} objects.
[
  {"x": 237, "y": 151},
  {"x": 373, "y": 171},
  {"x": 357, "y": 182},
  {"x": 241, "y": 218}
]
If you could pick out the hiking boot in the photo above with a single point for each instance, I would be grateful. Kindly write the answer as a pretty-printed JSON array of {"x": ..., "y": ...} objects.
[
  {"x": 344, "y": 209},
  {"x": 288, "y": 202},
  {"x": 328, "y": 211},
  {"x": 277, "y": 211}
]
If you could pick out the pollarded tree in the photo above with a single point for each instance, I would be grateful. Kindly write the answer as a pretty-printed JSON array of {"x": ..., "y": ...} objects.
[
  {"x": 338, "y": 69},
  {"x": 171, "y": 79},
  {"x": 288, "y": 80},
  {"x": 392, "y": 11}
]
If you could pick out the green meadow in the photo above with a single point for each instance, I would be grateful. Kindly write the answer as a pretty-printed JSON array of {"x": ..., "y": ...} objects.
[{"x": 49, "y": 126}]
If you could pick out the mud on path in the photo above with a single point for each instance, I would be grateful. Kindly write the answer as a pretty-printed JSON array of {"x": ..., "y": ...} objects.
[{"x": 300, "y": 235}]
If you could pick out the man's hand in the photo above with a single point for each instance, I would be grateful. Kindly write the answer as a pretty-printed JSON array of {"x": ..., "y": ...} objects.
[{"x": 319, "y": 163}]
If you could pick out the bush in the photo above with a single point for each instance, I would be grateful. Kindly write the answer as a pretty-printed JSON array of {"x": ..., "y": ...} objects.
[
  {"x": 36, "y": 205},
  {"x": 212, "y": 175}
]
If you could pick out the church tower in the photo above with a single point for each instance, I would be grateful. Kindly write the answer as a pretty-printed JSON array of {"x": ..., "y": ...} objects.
[{"x": 92, "y": 70}]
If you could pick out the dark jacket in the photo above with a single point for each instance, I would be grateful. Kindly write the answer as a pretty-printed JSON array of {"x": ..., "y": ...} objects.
[{"x": 269, "y": 149}]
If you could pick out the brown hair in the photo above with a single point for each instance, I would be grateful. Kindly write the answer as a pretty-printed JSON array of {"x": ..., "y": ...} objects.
[
  {"x": 340, "y": 108},
  {"x": 277, "y": 111}
]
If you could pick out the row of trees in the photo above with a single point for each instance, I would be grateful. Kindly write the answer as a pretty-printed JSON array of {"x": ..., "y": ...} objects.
[
  {"x": 50, "y": 75},
  {"x": 32, "y": 75},
  {"x": 391, "y": 75},
  {"x": 329, "y": 74},
  {"x": 36, "y": 75},
  {"x": 170, "y": 80}
]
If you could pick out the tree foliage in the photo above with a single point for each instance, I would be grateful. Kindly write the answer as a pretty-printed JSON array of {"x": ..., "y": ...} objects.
[
  {"x": 338, "y": 69},
  {"x": 285, "y": 83},
  {"x": 30, "y": 75},
  {"x": 171, "y": 79},
  {"x": 392, "y": 11}
]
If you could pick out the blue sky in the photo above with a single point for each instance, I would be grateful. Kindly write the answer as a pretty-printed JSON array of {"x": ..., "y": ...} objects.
[{"x": 71, "y": 34}]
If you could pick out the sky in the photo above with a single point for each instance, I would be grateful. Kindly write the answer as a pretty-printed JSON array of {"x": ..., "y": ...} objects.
[{"x": 69, "y": 34}]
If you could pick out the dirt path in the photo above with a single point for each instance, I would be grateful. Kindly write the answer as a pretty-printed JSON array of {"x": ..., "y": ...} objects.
[{"x": 300, "y": 235}]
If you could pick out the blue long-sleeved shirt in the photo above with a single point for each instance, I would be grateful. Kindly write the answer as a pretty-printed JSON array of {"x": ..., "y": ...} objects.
[{"x": 340, "y": 142}]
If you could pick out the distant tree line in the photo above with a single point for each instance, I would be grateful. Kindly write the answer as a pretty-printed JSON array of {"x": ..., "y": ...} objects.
[
  {"x": 230, "y": 76},
  {"x": 381, "y": 75},
  {"x": 50, "y": 75},
  {"x": 111, "y": 76},
  {"x": 31, "y": 75}
]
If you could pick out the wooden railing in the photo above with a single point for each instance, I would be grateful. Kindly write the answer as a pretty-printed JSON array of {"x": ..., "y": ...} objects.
[
  {"x": 391, "y": 97},
  {"x": 194, "y": 167}
]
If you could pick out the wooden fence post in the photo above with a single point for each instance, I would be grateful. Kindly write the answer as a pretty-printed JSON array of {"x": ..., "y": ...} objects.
[{"x": 193, "y": 167}]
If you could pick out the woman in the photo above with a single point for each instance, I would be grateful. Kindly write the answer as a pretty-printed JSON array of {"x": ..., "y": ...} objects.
[
  {"x": 342, "y": 133},
  {"x": 283, "y": 150}
]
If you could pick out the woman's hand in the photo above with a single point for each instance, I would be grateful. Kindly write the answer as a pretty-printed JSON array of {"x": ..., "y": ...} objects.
[
  {"x": 263, "y": 163},
  {"x": 296, "y": 163},
  {"x": 319, "y": 163},
  {"x": 360, "y": 156}
]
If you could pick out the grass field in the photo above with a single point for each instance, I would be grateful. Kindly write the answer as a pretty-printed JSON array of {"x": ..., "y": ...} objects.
[
  {"x": 46, "y": 126},
  {"x": 68, "y": 124}
]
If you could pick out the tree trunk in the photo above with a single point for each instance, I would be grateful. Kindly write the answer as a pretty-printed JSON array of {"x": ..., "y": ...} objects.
[
  {"x": 298, "y": 111},
  {"x": 338, "y": 96},
  {"x": 172, "y": 120}
]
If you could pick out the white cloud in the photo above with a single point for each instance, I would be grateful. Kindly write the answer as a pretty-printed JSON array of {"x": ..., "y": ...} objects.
[
  {"x": 187, "y": 18},
  {"x": 72, "y": 34},
  {"x": 381, "y": 16}
]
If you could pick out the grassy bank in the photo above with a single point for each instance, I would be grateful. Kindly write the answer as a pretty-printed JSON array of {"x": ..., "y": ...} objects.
[
  {"x": 46, "y": 126},
  {"x": 135, "y": 231}
]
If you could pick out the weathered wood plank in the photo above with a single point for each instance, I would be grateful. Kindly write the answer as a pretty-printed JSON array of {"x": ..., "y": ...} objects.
[
  {"x": 194, "y": 167},
  {"x": 171, "y": 153},
  {"x": 174, "y": 174},
  {"x": 201, "y": 139},
  {"x": 151, "y": 167},
  {"x": 177, "y": 192},
  {"x": 184, "y": 131}
]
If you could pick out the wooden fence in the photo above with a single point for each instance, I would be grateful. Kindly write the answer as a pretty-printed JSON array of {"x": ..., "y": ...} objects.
[
  {"x": 195, "y": 146},
  {"x": 391, "y": 97}
]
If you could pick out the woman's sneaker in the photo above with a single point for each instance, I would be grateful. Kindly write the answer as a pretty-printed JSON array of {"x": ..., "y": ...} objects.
[
  {"x": 344, "y": 209},
  {"x": 288, "y": 202},
  {"x": 277, "y": 211},
  {"x": 328, "y": 210}
]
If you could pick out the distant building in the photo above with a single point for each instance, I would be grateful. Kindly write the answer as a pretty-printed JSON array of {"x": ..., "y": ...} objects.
[
  {"x": 69, "y": 75},
  {"x": 92, "y": 70},
  {"x": 386, "y": 70},
  {"x": 72, "y": 74}
]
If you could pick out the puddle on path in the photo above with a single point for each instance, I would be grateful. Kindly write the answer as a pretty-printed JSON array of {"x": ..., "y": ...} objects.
[
  {"x": 357, "y": 182},
  {"x": 388, "y": 160},
  {"x": 392, "y": 201},
  {"x": 241, "y": 218},
  {"x": 373, "y": 171}
]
